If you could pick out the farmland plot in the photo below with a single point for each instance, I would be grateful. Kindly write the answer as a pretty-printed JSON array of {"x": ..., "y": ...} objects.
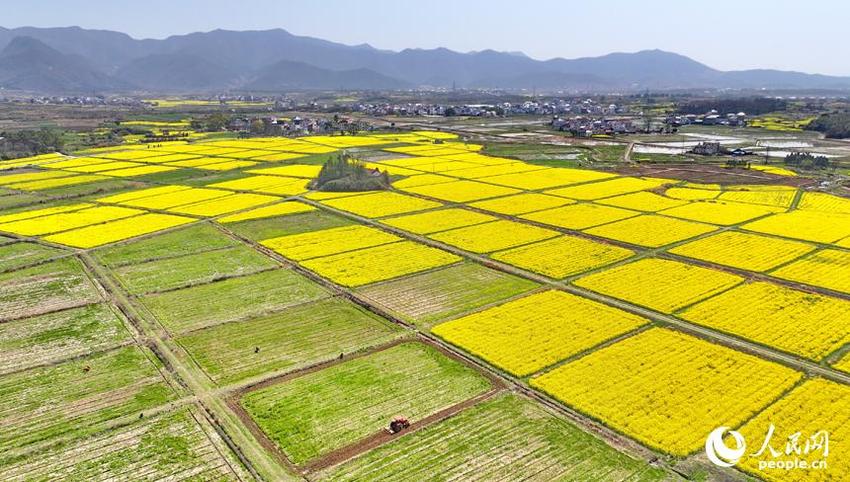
[
  {"x": 507, "y": 438},
  {"x": 438, "y": 220},
  {"x": 293, "y": 338},
  {"x": 642, "y": 201},
  {"x": 493, "y": 236},
  {"x": 521, "y": 203},
  {"x": 18, "y": 255},
  {"x": 722, "y": 213},
  {"x": 381, "y": 204},
  {"x": 651, "y": 231},
  {"x": 668, "y": 389},
  {"x": 78, "y": 397},
  {"x": 51, "y": 337},
  {"x": 48, "y": 287},
  {"x": 659, "y": 284},
  {"x": 192, "y": 269},
  {"x": 379, "y": 263},
  {"x": 231, "y": 299},
  {"x": 743, "y": 250},
  {"x": 273, "y": 227},
  {"x": 609, "y": 188},
  {"x": 309, "y": 416},
  {"x": 168, "y": 447},
  {"x": 462, "y": 191},
  {"x": 827, "y": 408},
  {"x": 315, "y": 244},
  {"x": 563, "y": 256},
  {"x": 580, "y": 216},
  {"x": 193, "y": 239},
  {"x": 428, "y": 297},
  {"x": 118, "y": 230},
  {"x": 829, "y": 268},
  {"x": 528, "y": 334},
  {"x": 806, "y": 225},
  {"x": 807, "y": 324}
]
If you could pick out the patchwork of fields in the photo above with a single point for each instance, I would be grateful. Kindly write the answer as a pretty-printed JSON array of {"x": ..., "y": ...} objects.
[{"x": 192, "y": 311}]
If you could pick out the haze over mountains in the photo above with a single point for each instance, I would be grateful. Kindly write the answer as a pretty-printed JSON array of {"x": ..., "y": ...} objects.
[{"x": 75, "y": 60}]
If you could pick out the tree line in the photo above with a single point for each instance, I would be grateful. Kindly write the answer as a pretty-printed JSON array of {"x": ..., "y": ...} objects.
[{"x": 834, "y": 125}]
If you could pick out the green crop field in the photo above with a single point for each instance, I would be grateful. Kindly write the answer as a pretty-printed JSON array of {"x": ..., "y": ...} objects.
[
  {"x": 64, "y": 334},
  {"x": 192, "y": 269},
  {"x": 19, "y": 255},
  {"x": 81, "y": 397},
  {"x": 168, "y": 447},
  {"x": 260, "y": 229},
  {"x": 427, "y": 298},
  {"x": 295, "y": 337},
  {"x": 506, "y": 438},
  {"x": 231, "y": 299},
  {"x": 312, "y": 415},
  {"x": 48, "y": 287},
  {"x": 193, "y": 239}
]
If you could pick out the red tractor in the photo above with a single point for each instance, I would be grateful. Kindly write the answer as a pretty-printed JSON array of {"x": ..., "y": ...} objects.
[{"x": 398, "y": 424}]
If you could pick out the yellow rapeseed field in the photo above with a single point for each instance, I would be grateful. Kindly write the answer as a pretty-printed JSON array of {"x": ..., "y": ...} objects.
[
  {"x": 380, "y": 204},
  {"x": 563, "y": 256},
  {"x": 526, "y": 335},
  {"x": 521, "y": 203},
  {"x": 667, "y": 389},
  {"x": 462, "y": 191},
  {"x": 781, "y": 198},
  {"x": 176, "y": 198},
  {"x": 314, "y": 244},
  {"x": 717, "y": 212},
  {"x": 34, "y": 213},
  {"x": 829, "y": 268},
  {"x": 57, "y": 182},
  {"x": 691, "y": 194},
  {"x": 817, "y": 405},
  {"x": 642, "y": 201},
  {"x": 287, "y": 186},
  {"x": 100, "y": 234},
  {"x": 651, "y": 230},
  {"x": 438, "y": 220},
  {"x": 140, "y": 193},
  {"x": 580, "y": 216},
  {"x": 807, "y": 324},
  {"x": 547, "y": 178},
  {"x": 497, "y": 170},
  {"x": 54, "y": 223},
  {"x": 422, "y": 180},
  {"x": 10, "y": 179},
  {"x": 379, "y": 263},
  {"x": 608, "y": 188},
  {"x": 493, "y": 236},
  {"x": 818, "y": 201},
  {"x": 819, "y": 227},
  {"x": 659, "y": 284},
  {"x": 280, "y": 209},
  {"x": 224, "y": 205},
  {"x": 752, "y": 252}
]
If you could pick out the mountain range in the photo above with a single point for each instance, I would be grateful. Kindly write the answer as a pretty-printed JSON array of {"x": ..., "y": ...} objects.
[{"x": 76, "y": 60}]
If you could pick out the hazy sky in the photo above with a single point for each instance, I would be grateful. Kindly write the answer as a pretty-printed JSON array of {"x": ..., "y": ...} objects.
[{"x": 808, "y": 36}]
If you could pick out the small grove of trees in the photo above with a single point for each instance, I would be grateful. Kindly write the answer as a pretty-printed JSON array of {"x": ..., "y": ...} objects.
[
  {"x": 835, "y": 125},
  {"x": 342, "y": 173},
  {"x": 211, "y": 123},
  {"x": 751, "y": 105},
  {"x": 805, "y": 160},
  {"x": 32, "y": 142}
]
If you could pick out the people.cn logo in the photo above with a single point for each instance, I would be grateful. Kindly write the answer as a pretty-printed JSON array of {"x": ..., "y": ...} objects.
[{"x": 717, "y": 451}]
